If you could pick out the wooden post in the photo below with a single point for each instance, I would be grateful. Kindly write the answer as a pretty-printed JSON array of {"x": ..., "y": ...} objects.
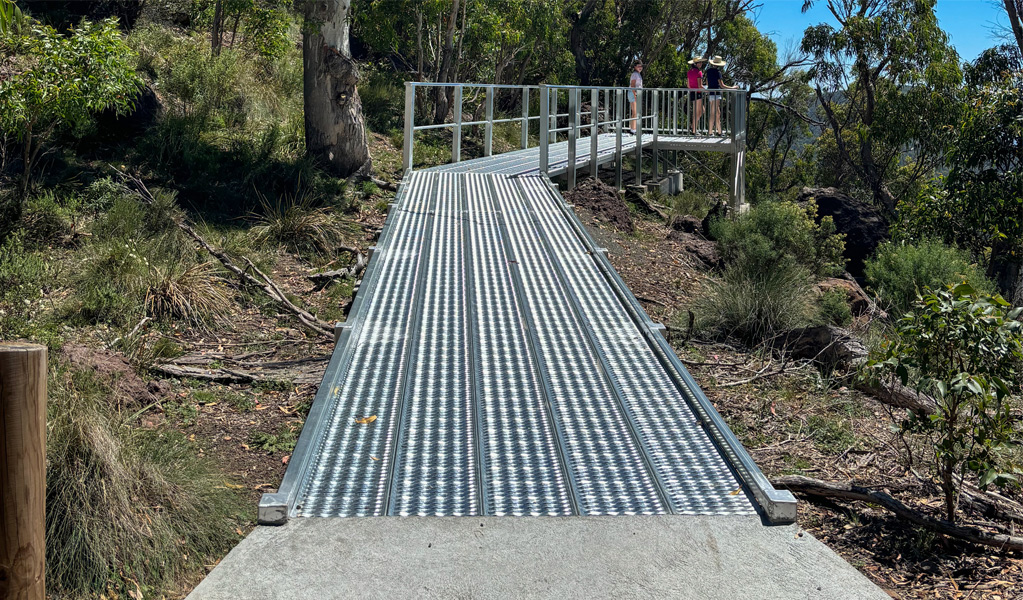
[{"x": 22, "y": 471}]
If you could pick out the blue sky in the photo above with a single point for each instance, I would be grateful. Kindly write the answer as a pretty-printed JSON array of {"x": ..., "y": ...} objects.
[{"x": 970, "y": 24}]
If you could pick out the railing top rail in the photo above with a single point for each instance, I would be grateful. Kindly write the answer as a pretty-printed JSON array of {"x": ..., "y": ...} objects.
[{"x": 567, "y": 87}]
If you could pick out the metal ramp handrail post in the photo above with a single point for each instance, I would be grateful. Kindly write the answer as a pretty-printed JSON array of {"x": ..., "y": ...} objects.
[
  {"x": 638, "y": 124},
  {"x": 656, "y": 102},
  {"x": 410, "y": 117},
  {"x": 552, "y": 98},
  {"x": 525, "y": 117},
  {"x": 456, "y": 135},
  {"x": 488, "y": 129},
  {"x": 544, "y": 126},
  {"x": 573, "y": 133},
  {"x": 594, "y": 132},
  {"x": 619, "y": 123}
]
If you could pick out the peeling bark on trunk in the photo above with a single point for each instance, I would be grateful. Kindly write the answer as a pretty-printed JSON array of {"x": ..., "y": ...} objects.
[{"x": 334, "y": 127}]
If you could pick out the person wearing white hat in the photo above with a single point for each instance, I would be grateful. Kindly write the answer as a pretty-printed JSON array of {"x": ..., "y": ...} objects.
[
  {"x": 714, "y": 97},
  {"x": 695, "y": 80}
]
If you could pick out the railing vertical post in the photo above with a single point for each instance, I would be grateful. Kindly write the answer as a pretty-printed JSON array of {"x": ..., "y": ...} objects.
[
  {"x": 488, "y": 129},
  {"x": 639, "y": 136},
  {"x": 552, "y": 97},
  {"x": 456, "y": 138},
  {"x": 23, "y": 471},
  {"x": 410, "y": 118},
  {"x": 573, "y": 133},
  {"x": 655, "y": 123},
  {"x": 594, "y": 132},
  {"x": 525, "y": 118},
  {"x": 618, "y": 137},
  {"x": 545, "y": 124}
]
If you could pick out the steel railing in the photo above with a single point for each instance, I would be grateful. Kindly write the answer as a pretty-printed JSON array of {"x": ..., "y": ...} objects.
[{"x": 675, "y": 112}]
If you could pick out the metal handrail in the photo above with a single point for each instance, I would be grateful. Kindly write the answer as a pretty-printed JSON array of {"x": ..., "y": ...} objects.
[{"x": 660, "y": 111}]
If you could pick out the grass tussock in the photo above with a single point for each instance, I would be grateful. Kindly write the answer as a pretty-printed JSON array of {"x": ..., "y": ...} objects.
[
  {"x": 756, "y": 305},
  {"x": 297, "y": 224},
  {"x": 127, "y": 509}
]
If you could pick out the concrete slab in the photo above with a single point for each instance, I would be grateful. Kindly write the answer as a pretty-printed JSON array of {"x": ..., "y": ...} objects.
[{"x": 669, "y": 556}]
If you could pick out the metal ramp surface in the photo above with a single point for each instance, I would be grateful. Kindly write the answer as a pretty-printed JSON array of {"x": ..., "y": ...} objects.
[{"x": 505, "y": 369}]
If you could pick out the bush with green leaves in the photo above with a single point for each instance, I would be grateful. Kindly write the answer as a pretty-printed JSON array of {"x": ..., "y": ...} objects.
[
  {"x": 778, "y": 236},
  {"x": 60, "y": 81},
  {"x": 833, "y": 308},
  {"x": 128, "y": 509},
  {"x": 965, "y": 349},
  {"x": 899, "y": 271}
]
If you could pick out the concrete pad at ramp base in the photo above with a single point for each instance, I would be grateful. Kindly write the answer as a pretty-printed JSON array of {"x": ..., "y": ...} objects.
[{"x": 534, "y": 557}]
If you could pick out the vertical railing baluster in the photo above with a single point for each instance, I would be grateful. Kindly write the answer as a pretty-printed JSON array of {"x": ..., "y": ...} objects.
[
  {"x": 553, "y": 99},
  {"x": 654, "y": 123},
  {"x": 573, "y": 133},
  {"x": 410, "y": 118},
  {"x": 594, "y": 137},
  {"x": 456, "y": 139},
  {"x": 544, "y": 126},
  {"x": 488, "y": 129},
  {"x": 525, "y": 118},
  {"x": 619, "y": 124},
  {"x": 639, "y": 136}
]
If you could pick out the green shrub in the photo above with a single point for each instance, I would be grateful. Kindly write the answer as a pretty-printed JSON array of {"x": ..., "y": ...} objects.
[
  {"x": 383, "y": 98},
  {"x": 298, "y": 224},
  {"x": 125, "y": 506},
  {"x": 964, "y": 348},
  {"x": 755, "y": 306},
  {"x": 777, "y": 235},
  {"x": 833, "y": 308},
  {"x": 48, "y": 218},
  {"x": 899, "y": 271},
  {"x": 282, "y": 441}
]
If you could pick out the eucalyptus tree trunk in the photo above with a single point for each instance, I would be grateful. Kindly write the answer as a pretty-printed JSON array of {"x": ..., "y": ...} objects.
[{"x": 334, "y": 127}]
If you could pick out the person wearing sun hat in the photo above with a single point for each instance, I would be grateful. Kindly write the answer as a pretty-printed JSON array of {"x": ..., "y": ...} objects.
[
  {"x": 695, "y": 80},
  {"x": 714, "y": 97},
  {"x": 635, "y": 84}
]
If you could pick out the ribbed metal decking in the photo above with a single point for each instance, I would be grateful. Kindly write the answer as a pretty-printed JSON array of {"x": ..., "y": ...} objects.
[
  {"x": 505, "y": 370},
  {"x": 527, "y": 161}
]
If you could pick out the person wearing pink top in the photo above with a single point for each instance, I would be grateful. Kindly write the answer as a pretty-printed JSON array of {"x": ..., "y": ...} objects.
[{"x": 695, "y": 77}]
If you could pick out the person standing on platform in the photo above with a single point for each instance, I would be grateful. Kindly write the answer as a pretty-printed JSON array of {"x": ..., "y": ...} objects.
[
  {"x": 635, "y": 84},
  {"x": 715, "y": 85},
  {"x": 695, "y": 80}
]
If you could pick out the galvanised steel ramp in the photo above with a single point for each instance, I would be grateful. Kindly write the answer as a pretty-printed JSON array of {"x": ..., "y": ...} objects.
[{"x": 495, "y": 364}]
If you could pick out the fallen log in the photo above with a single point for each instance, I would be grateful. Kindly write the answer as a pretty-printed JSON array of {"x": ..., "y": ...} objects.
[
  {"x": 322, "y": 280},
  {"x": 846, "y": 490}
]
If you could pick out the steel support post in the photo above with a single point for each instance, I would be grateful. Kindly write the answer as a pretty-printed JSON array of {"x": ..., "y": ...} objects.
[
  {"x": 525, "y": 118},
  {"x": 456, "y": 138},
  {"x": 488, "y": 129},
  {"x": 545, "y": 124},
  {"x": 410, "y": 118},
  {"x": 573, "y": 133},
  {"x": 594, "y": 132},
  {"x": 618, "y": 138},
  {"x": 654, "y": 124},
  {"x": 639, "y": 137},
  {"x": 553, "y": 111}
]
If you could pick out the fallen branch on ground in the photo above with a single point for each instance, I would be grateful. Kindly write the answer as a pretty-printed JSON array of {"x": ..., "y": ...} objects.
[
  {"x": 268, "y": 286},
  {"x": 848, "y": 491},
  {"x": 322, "y": 280}
]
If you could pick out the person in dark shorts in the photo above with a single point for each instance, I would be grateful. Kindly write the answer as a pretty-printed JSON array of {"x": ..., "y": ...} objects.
[
  {"x": 635, "y": 84},
  {"x": 694, "y": 78},
  {"x": 715, "y": 85}
]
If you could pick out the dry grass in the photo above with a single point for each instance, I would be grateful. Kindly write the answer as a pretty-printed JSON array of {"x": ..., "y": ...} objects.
[{"x": 196, "y": 294}]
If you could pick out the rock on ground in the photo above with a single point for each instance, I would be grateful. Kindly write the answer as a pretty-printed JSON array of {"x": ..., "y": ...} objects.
[{"x": 863, "y": 225}]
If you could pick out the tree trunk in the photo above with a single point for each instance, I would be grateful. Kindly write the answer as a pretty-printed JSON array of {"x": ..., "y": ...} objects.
[
  {"x": 218, "y": 27},
  {"x": 445, "y": 67},
  {"x": 583, "y": 65},
  {"x": 334, "y": 126},
  {"x": 1013, "y": 8}
]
